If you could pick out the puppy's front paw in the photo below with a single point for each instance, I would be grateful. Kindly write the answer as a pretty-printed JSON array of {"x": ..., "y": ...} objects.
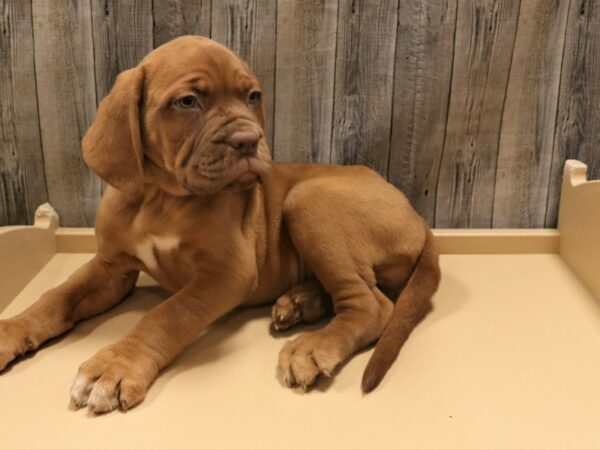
[
  {"x": 14, "y": 341},
  {"x": 117, "y": 377},
  {"x": 302, "y": 360},
  {"x": 305, "y": 302}
]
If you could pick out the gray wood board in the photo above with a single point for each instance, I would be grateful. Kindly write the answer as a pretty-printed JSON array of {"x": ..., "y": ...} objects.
[
  {"x": 422, "y": 79},
  {"x": 64, "y": 64},
  {"x": 22, "y": 178},
  {"x": 364, "y": 79},
  {"x": 173, "y": 18},
  {"x": 485, "y": 36},
  {"x": 525, "y": 153},
  {"x": 306, "y": 44},
  {"x": 122, "y": 32},
  {"x": 578, "y": 117}
]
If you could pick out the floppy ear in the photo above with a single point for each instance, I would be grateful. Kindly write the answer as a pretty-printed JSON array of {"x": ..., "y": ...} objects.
[{"x": 112, "y": 147}]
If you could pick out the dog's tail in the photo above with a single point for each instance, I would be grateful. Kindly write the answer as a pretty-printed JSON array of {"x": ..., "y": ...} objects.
[{"x": 412, "y": 305}]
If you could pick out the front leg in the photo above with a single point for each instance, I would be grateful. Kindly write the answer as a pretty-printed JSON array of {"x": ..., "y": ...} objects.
[
  {"x": 95, "y": 287},
  {"x": 119, "y": 375}
]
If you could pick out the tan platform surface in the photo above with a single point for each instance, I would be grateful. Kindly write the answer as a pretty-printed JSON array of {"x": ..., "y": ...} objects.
[{"x": 509, "y": 358}]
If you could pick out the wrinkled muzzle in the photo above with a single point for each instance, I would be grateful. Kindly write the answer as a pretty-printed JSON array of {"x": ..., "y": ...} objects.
[{"x": 231, "y": 154}]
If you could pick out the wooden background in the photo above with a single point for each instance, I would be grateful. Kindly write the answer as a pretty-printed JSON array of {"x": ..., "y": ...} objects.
[{"x": 469, "y": 106}]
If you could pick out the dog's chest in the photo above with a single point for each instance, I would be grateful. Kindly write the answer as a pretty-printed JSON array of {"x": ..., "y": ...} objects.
[
  {"x": 151, "y": 247},
  {"x": 161, "y": 255}
]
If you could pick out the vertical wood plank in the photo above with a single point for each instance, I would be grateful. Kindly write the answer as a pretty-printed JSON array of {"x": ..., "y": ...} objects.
[
  {"x": 364, "y": 78},
  {"x": 578, "y": 120},
  {"x": 306, "y": 42},
  {"x": 485, "y": 35},
  {"x": 22, "y": 178},
  {"x": 64, "y": 64},
  {"x": 249, "y": 28},
  {"x": 122, "y": 32},
  {"x": 173, "y": 18},
  {"x": 528, "y": 123},
  {"x": 422, "y": 78}
]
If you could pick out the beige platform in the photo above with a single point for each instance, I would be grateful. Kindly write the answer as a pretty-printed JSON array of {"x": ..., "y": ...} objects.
[{"x": 509, "y": 358}]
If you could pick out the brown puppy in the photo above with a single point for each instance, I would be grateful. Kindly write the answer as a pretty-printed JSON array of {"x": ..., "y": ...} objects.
[{"x": 196, "y": 202}]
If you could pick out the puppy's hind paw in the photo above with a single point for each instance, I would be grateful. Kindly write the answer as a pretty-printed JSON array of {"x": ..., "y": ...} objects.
[
  {"x": 304, "y": 359},
  {"x": 306, "y": 302},
  {"x": 285, "y": 313}
]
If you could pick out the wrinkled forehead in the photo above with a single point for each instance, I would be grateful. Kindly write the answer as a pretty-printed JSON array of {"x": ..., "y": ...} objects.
[{"x": 196, "y": 61}]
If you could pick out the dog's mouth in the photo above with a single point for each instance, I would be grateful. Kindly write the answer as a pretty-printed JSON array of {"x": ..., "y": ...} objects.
[
  {"x": 246, "y": 172},
  {"x": 240, "y": 174}
]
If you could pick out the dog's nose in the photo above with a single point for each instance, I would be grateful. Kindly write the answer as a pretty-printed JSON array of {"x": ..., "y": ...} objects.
[{"x": 244, "y": 142}]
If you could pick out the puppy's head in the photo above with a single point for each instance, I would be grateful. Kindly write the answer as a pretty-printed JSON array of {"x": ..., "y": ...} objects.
[{"x": 189, "y": 117}]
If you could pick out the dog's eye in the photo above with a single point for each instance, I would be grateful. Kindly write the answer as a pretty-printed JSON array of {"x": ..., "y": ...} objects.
[
  {"x": 254, "y": 97},
  {"x": 187, "y": 102}
]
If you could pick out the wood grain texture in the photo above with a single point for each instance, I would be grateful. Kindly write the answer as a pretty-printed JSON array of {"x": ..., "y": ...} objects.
[
  {"x": 525, "y": 153},
  {"x": 578, "y": 119},
  {"x": 22, "y": 178},
  {"x": 249, "y": 28},
  {"x": 173, "y": 18},
  {"x": 469, "y": 106},
  {"x": 364, "y": 78},
  {"x": 485, "y": 35},
  {"x": 306, "y": 43},
  {"x": 422, "y": 79},
  {"x": 67, "y": 102},
  {"x": 122, "y": 33}
]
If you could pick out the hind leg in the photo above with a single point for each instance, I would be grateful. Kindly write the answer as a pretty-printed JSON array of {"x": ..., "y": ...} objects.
[
  {"x": 361, "y": 313},
  {"x": 345, "y": 228},
  {"x": 306, "y": 302}
]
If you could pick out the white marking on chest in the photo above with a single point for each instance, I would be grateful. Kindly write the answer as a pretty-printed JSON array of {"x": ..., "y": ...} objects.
[
  {"x": 165, "y": 243},
  {"x": 146, "y": 250}
]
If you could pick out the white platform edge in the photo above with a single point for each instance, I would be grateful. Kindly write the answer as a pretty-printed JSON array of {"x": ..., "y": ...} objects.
[
  {"x": 30, "y": 248},
  {"x": 579, "y": 224}
]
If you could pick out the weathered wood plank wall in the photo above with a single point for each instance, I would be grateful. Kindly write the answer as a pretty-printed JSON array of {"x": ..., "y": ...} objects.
[
  {"x": 66, "y": 88},
  {"x": 469, "y": 106},
  {"x": 305, "y": 74},
  {"x": 529, "y": 117},
  {"x": 364, "y": 80},
  {"x": 422, "y": 79},
  {"x": 22, "y": 179}
]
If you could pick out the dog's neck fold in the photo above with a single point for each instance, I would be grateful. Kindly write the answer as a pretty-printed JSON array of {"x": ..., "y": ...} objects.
[{"x": 154, "y": 175}]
